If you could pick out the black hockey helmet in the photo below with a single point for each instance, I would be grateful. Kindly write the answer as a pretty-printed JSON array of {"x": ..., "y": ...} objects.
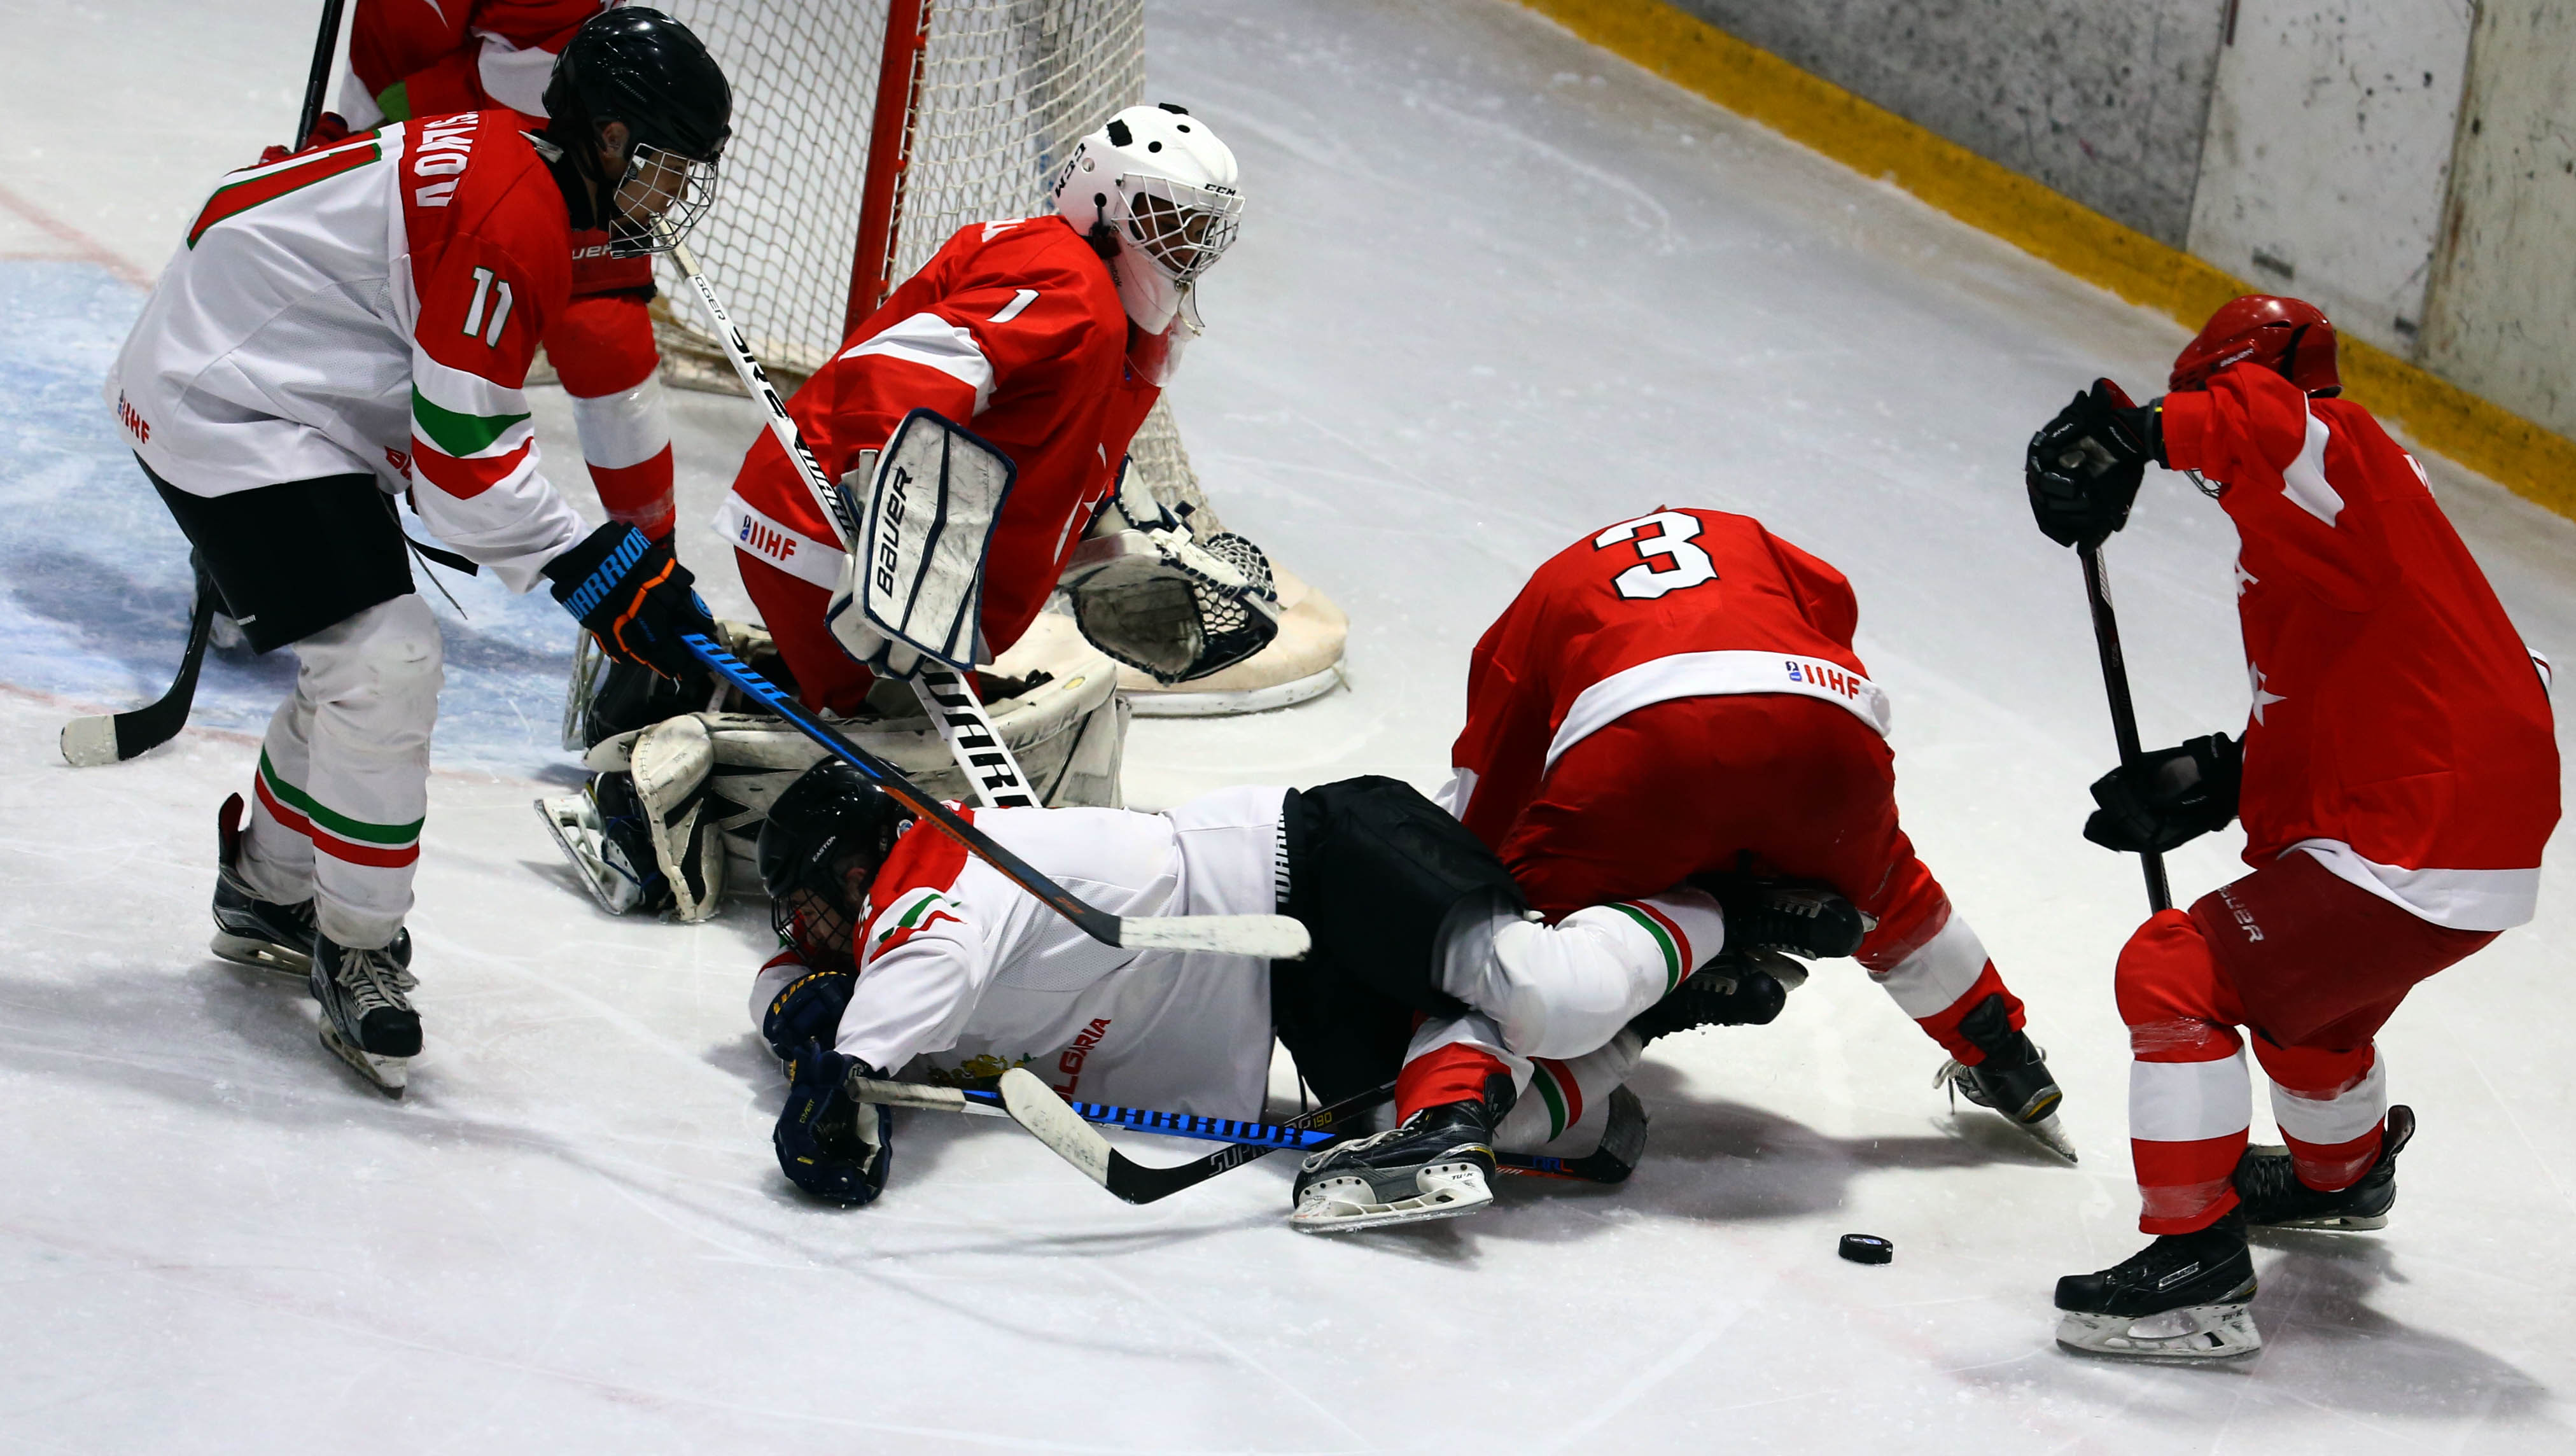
[
  {"x": 640, "y": 67},
  {"x": 821, "y": 844}
]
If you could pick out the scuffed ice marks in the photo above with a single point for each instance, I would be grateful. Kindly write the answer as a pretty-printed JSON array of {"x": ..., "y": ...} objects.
[{"x": 94, "y": 580}]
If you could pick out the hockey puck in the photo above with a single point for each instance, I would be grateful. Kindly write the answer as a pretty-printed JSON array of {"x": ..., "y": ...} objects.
[{"x": 1866, "y": 1249}]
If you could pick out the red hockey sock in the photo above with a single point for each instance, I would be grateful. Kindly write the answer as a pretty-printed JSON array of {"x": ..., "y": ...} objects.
[{"x": 1452, "y": 1073}]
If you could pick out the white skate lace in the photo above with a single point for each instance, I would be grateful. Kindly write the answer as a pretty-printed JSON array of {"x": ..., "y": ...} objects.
[{"x": 375, "y": 982}]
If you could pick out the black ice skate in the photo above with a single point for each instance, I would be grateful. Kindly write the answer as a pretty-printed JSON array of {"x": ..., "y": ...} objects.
[
  {"x": 1803, "y": 917},
  {"x": 256, "y": 932},
  {"x": 2183, "y": 1297},
  {"x": 1736, "y": 988},
  {"x": 367, "y": 1020},
  {"x": 2013, "y": 1079},
  {"x": 1438, "y": 1163},
  {"x": 2273, "y": 1196},
  {"x": 602, "y": 831}
]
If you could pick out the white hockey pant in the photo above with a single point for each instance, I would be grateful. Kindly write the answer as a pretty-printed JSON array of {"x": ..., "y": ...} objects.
[
  {"x": 343, "y": 781},
  {"x": 1564, "y": 990}
]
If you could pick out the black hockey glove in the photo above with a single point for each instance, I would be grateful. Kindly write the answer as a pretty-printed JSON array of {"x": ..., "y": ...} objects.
[
  {"x": 2084, "y": 466},
  {"x": 633, "y": 595},
  {"x": 806, "y": 1009},
  {"x": 2168, "y": 798},
  {"x": 829, "y": 1144}
]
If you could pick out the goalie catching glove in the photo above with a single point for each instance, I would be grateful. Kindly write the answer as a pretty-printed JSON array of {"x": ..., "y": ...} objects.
[
  {"x": 913, "y": 585},
  {"x": 1150, "y": 595}
]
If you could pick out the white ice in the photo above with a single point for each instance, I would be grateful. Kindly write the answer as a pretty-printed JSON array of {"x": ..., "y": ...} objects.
[{"x": 1495, "y": 289}]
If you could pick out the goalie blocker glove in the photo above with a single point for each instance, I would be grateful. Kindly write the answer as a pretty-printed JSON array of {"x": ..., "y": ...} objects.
[
  {"x": 913, "y": 584},
  {"x": 2168, "y": 798},
  {"x": 830, "y": 1144},
  {"x": 2084, "y": 466},
  {"x": 634, "y": 596}
]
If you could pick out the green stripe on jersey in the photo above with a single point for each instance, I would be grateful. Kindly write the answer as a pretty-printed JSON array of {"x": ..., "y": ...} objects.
[
  {"x": 1663, "y": 942},
  {"x": 332, "y": 819},
  {"x": 460, "y": 435}
]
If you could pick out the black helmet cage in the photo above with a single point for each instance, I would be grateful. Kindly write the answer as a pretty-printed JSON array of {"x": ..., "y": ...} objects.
[
  {"x": 824, "y": 838},
  {"x": 642, "y": 68}
]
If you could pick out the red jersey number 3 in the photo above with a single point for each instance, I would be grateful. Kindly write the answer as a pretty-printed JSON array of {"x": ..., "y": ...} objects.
[{"x": 1688, "y": 565}]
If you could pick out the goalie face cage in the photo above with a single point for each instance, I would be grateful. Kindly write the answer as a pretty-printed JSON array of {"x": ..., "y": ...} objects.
[{"x": 831, "y": 198}]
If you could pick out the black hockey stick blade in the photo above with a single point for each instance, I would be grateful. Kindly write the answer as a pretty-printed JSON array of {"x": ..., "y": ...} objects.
[
  {"x": 1054, "y": 1122},
  {"x": 1623, "y": 1147},
  {"x": 114, "y": 738},
  {"x": 1270, "y": 937}
]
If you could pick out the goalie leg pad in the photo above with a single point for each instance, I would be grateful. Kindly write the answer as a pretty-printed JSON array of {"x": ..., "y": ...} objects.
[{"x": 672, "y": 761}]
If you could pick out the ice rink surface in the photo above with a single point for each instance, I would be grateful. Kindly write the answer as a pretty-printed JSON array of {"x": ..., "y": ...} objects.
[{"x": 1495, "y": 291}]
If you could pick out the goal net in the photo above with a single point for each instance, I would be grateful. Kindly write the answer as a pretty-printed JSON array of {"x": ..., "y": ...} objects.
[{"x": 815, "y": 217}]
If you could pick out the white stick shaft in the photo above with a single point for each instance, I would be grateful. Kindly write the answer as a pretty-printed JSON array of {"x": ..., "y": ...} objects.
[{"x": 993, "y": 775}]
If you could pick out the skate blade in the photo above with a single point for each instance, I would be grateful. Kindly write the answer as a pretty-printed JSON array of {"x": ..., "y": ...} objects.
[
  {"x": 566, "y": 817},
  {"x": 1451, "y": 1198},
  {"x": 266, "y": 955},
  {"x": 2333, "y": 1223},
  {"x": 2194, "y": 1332},
  {"x": 2049, "y": 1135},
  {"x": 388, "y": 1075}
]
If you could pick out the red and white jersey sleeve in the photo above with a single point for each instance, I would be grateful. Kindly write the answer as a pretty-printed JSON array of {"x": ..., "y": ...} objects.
[
  {"x": 1674, "y": 604},
  {"x": 415, "y": 58},
  {"x": 487, "y": 268},
  {"x": 962, "y": 974},
  {"x": 369, "y": 307},
  {"x": 1013, "y": 330},
  {"x": 2401, "y": 731}
]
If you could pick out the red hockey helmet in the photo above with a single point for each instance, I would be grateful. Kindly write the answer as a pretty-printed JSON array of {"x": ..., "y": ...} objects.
[{"x": 2287, "y": 335}]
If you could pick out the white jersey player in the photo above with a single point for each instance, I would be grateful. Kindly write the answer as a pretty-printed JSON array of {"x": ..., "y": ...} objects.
[
  {"x": 906, "y": 954},
  {"x": 356, "y": 322}
]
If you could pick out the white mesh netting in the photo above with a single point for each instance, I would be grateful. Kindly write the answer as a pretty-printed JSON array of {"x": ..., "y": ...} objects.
[{"x": 1007, "y": 86}]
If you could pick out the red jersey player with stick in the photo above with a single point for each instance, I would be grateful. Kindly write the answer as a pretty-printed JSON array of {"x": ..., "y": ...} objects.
[
  {"x": 2397, "y": 780},
  {"x": 1676, "y": 697}
]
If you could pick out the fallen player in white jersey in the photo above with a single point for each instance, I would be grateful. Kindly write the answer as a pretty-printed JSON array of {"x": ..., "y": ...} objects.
[{"x": 905, "y": 954}]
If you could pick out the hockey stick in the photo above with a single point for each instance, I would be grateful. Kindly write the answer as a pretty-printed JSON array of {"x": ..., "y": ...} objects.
[
  {"x": 113, "y": 738},
  {"x": 1272, "y": 937},
  {"x": 1066, "y": 1129},
  {"x": 2124, "y": 713},
  {"x": 324, "y": 47},
  {"x": 946, "y": 696}
]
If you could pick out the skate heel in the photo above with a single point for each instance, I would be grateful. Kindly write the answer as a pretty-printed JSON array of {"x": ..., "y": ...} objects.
[{"x": 2219, "y": 1331}]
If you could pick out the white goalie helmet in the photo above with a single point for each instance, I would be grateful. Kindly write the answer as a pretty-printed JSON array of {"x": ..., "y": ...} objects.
[{"x": 1156, "y": 192}]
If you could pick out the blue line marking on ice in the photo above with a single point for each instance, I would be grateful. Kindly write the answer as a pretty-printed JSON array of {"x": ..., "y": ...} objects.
[{"x": 94, "y": 583}]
